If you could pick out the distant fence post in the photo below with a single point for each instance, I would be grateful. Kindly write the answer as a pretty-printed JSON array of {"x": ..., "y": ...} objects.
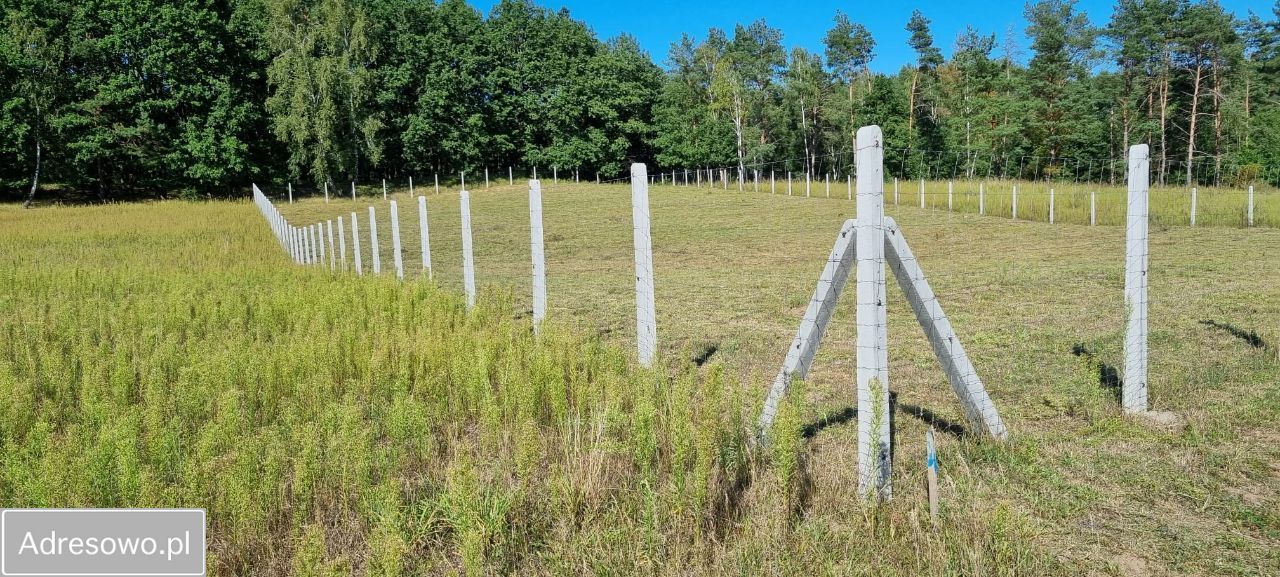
[
  {"x": 850, "y": 186},
  {"x": 437, "y": 179},
  {"x": 375, "y": 255},
  {"x": 309, "y": 245},
  {"x": 536, "y": 250},
  {"x": 1093, "y": 208},
  {"x": 1193, "y": 206},
  {"x": 333, "y": 258},
  {"x": 646, "y": 310},
  {"x": 1134, "y": 394},
  {"x": 806, "y": 184},
  {"x": 872, "y": 362},
  {"x": 319, "y": 226},
  {"x": 1250, "y": 205},
  {"x": 895, "y": 191},
  {"x": 922, "y": 193},
  {"x": 486, "y": 177},
  {"x": 982, "y": 199},
  {"x": 773, "y": 182},
  {"x": 468, "y": 261},
  {"x": 828, "y": 178},
  {"x": 355, "y": 243},
  {"x": 342, "y": 244},
  {"x": 555, "y": 175},
  {"x": 788, "y": 183},
  {"x": 1015, "y": 202},
  {"x": 395, "y": 241},
  {"x": 326, "y": 190},
  {"x": 424, "y": 235},
  {"x": 511, "y": 176},
  {"x": 1050, "y": 206},
  {"x": 411, "y": 195},
  {"x": 384, "y": 189},
  {"x": 950, "y": 204},
  {"x": 353, "y": 190},
  {"x": 304, "y": 242}
]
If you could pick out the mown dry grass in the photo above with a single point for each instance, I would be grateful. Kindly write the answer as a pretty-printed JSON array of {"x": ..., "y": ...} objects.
[{"x": 1079, "y": 488}]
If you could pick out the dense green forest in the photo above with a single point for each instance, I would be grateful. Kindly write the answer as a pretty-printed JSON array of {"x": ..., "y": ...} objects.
[{"x": 140, "y": 97}]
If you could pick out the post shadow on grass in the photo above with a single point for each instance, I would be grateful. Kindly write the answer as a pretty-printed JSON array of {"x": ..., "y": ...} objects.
[
  {"x": 1250, "y": 338},
  {"x": 1108, "y": 376},
  {"x": 704, "y": 353},
  {"x": 925, "y": 415},
  {"x": 932, "y": 419}
]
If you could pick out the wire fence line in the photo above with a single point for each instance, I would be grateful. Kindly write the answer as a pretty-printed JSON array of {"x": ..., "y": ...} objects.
[
  {"x": 879, "y": 243},
  {"x": 1055, "y": 203}
]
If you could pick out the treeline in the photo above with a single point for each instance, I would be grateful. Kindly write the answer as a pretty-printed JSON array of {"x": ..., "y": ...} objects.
[{"x": 127, "y": 97}]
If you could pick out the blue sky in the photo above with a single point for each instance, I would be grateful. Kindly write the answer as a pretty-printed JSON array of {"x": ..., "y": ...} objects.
[{"x": 658, "y": 23}]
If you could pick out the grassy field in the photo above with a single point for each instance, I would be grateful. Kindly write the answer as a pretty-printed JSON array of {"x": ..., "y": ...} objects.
[{"x": 168, "y": 354}]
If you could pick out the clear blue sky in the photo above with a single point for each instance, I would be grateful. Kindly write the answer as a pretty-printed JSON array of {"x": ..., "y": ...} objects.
[{"x": 658, "y": 23}]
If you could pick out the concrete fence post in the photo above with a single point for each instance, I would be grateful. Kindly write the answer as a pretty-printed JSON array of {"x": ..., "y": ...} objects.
[
  {"x": 1015, "y": 202},
  {"x": 468, "y": 259},
  {"x": 304, "y": 246},
  {"x": 806, "y": 184},
  {"x": 411, "y": 195},
  {"x": 326, "y": 191},
  {"x": 424, "y": 235},
  {"x": 773, "y": 182},
  {"x": 828, "y": 177},
  {"x": 355, "y": 243},
  {"x": 333, "y": 258},
  {"x": 1134, "y": 393},
  {"x": 315, "y": 246},
  {"x": 536, "y": 251},
  {"x": 1193, "y": 206},
  {"x": 1050, "y": 206},
  {"x": 922, "y": 193},
  {"x": 1250, "y": 211},
  {"x": 320, "y": 242},
  {"x": 555, "y": 175},
  {"x": 895, "y": 191},
  {"x": 511, "y": 176},
  {"x": 384, "y": 189},
  {"x": 982, "y": 199},
  {"x": 486, "y": 177},
  {"x": 850, "y": 186},
  {"x": 396, "y": 256},
  {"x": 437, "y": 179},
  {"x": 375, "y": 256},
  {"x": 342, "y": 244},
  {"x": 872, "y": 362},
  {"x": 646, "y": 310},
  {"x": 353, "y": 190},
  {"x": 950, "y": 204},
  {"x": 1093, "y": 208},
  {"x": 788, "y": 183}
]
